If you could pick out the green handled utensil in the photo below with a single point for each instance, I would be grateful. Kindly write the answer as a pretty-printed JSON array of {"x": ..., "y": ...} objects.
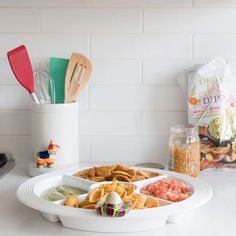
[{"x": 57, "y": 70}]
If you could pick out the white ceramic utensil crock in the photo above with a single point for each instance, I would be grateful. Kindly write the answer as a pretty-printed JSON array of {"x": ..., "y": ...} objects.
[{"x": 58, "y": 122}]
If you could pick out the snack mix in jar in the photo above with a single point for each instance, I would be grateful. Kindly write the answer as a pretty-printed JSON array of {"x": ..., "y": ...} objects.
[{"x": 184, "y": 150}]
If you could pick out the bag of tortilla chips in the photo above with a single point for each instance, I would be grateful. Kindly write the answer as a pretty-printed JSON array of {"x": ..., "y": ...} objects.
[{"x": 213, "y": 83}]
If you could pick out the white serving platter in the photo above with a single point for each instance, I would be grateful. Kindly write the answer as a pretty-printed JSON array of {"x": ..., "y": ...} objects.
[{"x": 85, "y": 219}]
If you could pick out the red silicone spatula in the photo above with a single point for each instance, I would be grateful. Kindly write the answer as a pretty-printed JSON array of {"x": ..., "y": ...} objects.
[{"x": 21, "y": 66}]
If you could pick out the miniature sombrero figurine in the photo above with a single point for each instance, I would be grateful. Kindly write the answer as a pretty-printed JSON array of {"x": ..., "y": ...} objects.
[{"x": 112, "y": 205}]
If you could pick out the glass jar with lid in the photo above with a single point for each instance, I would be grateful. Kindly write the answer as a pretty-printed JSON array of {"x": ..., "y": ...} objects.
[{"x": 184, "y": 150}]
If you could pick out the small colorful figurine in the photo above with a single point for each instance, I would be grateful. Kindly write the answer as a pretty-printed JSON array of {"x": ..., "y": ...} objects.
[
  {"x": 112, "y": 205},
  {"x": 47, "y": 158}
]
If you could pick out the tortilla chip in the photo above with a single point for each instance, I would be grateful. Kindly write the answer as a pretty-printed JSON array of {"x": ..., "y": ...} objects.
[
  {"x": 137, "y": 178},
  {"x": 92, "y": 172},
  {"x": 141, "y": 200},
  {"x": 72, "y": 201},
  {"x": 133, "y": 200},
  {"x": 131, "y": 172},
  {"x": 119, "y": 189},
  {"x": 96, "y": 195},
  {"x": 110, "y": 187},
  {"x": 120, "y": 172},
  {"x": 90, "y": 206},
  {"x": 97, "y": 178},
  {"x": 125, "y": 169},
  {"x": 84, "y": 203},
  {"x": 148, "y": 174},
  {"x": 123, "y": 194},
  {"x": 122, "y": 178},
  {"x": 110, "y": 178},
  {"x": 102, "y": 171},
  {"x": 130, "y": 190},
  {"x": 112, "y": 167},
  {"x": 151, "y": 202},
  {"x": 221, "y": 150},
  {"x": 120, "y": 167},
  {"x": 82, "y": 173},
  {"x": 125, "y": 198}
]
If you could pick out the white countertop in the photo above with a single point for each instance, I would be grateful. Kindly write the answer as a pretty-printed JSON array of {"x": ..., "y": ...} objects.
[{"x": 217, "y": 217}]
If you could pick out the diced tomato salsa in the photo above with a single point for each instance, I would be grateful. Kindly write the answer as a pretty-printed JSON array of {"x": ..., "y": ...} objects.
[{"x": 168, "y": 189}]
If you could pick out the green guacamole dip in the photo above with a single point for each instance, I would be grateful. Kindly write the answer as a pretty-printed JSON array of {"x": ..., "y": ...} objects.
[{"x": 60, "y": 192}]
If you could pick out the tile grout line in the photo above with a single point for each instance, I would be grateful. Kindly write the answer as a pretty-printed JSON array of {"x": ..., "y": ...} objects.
[
  {"x": 142, "y": 20},
  {"x": 142, "y": 123},
  {"x": 90, "y": 147},
  {"x": 193, "y": 5},
  {"x": 89, "y": 86},
  {"x": 141, "y": 72},
  {"x": 142, "y": 84},
  {"x": 192, "y": 38},
  {"x": 40, "y": 20}
]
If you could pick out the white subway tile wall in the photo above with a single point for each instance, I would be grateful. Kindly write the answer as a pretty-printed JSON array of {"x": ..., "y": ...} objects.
[
  {"x": 42, "y": 45},
  {"x": 90, "y": 21},
  {"x": 190, "y": 21},
  {"x": 137, "y": 47},
  {"x": 140, "y": 3},
  {"x": 143, "y": 46},
  {"x": 215, "y": 3},
  {"x": 24, "y": 20}
]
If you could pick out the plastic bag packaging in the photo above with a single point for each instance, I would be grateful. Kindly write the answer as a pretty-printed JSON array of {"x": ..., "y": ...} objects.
[{"x": 213, "y": 82}]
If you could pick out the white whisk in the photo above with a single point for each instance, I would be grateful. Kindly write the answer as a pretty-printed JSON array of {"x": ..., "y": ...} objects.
[{"x": 44, "y": 83}]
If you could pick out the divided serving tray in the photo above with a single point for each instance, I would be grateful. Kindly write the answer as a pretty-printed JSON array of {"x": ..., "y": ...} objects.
[{"x": 86, "y": 219}]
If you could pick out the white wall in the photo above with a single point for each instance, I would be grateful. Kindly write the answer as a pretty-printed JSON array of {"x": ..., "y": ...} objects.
[{"x": 137, "y": 47}]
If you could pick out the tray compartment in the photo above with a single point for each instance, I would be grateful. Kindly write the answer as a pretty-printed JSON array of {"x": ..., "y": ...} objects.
[
  {"x": 145, "y": 183},
  {"x": 54, "y": 218},
  {"x": 162, "y": 202},
  {"x": 51, "y": 182},
  {"x": 97, "y": 184},
  {"x": 171, "y": 218},
  {"x": 90, "y": 182},
  {"x": 55, "y": 181},
  {"x": 47, "y": 183}
]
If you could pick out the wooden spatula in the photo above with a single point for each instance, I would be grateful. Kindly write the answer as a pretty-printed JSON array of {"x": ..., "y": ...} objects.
[
  {"x": 77, "y": 75},
  {"x": 21, "y": 66}
]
